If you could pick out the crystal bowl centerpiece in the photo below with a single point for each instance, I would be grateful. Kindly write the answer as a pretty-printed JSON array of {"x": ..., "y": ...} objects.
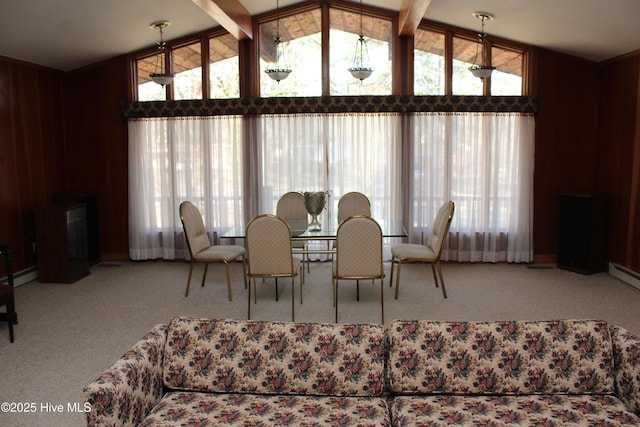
[{"x": 314, "y": 202}]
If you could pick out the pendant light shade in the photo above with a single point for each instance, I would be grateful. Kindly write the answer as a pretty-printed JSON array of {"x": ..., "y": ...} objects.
[{"x": 483, "y": 69}]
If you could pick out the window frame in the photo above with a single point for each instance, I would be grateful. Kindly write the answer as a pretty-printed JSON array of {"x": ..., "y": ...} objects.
[
  {"x": 402, "y": 63},
  {"x": 491, "y": 41}
]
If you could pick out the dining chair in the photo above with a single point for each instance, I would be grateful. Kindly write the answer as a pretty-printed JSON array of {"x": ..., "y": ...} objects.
[
  {"x": 358, "y": 255},
  {"x": 201, "y": 250},
  {"x": 291, "y": 207},
  {"x": 353, "y": 203},
  {"x": 270, "y": 255},
  {"x": 7, "y": 291},
  {"x": 425, "y": 254}
]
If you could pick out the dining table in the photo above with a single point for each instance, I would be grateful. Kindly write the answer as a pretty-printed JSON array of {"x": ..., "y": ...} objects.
[{"x": 328, "y": 231}]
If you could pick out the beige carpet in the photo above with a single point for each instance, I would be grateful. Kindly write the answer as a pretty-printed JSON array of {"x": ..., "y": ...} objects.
[{"x": 69, "y": 333}]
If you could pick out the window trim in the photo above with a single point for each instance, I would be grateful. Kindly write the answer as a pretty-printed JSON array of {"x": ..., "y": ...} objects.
[
  {"x": 491, "y": 41},
  {"x": 401, "y": 46}
]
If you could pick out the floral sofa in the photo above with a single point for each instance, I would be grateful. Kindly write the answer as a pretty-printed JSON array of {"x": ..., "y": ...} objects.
[
  {"x": 541, "y": 373},
  {"x": 199, "y": 372}
]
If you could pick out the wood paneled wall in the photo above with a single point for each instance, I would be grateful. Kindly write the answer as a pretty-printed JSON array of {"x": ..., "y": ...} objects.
[
  {"x": 618, "y": 166},
  {"x": 566, "y": 151},
  {"x": 588, "y": 141},
  {"x": 96, "y": 134},
  {"x": 32, "y": 152},
  {"x": 62, "y": 134}
]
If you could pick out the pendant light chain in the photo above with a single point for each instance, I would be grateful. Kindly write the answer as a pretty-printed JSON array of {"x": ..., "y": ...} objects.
[{"x": 277, "y": 21}]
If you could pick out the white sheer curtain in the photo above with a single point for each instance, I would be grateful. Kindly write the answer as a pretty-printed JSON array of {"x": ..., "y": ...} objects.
[
  {"x": 337, "y": 152},
  {"x": 234, "y": 168},
  {"x": 172, "y": 160},
  {"x": 484, "y": 163}
]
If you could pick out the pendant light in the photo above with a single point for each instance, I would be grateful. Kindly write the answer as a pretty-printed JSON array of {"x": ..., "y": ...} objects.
[
  {"x": 361, "y": 68},
  {"x": 484, "y": 69},
  {"x": 279, "y": 71},
  {"x": 161, "y": 77}
]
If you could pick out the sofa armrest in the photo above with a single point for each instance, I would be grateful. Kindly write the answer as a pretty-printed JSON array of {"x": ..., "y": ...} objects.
[
  {"x": 127, "y": 391},
  {"x": 626, "y": 357}
]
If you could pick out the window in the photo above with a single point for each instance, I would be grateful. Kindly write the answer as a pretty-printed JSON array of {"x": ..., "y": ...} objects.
[
  {"x": 481, "y": 161},
  {"x": 187, "y": 66},
  {"x": 464, "y": 54},
  {"x": 428, "y": 65},
  {"x": 148, "y": 90},
  {"x": 484, "y": 163},
  {"x": 301, "y": 47},
  {"x": 343, "y": 36},
  {"x": 337, "y": 152},
  {"x": 301, "y": 33},
  {"x": 237, "y": 167},
  {"x": 507, "y": 77},
  {"x": 173, "y": 160},
  {"x": 224, "y": 68}
]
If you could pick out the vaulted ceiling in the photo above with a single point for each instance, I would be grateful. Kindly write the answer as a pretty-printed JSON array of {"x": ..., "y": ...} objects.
[{"x": 69, "y": 34}]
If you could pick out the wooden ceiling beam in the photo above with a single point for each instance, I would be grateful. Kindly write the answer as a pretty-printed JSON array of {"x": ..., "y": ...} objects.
[
  {"x": 411, "y": 13},
  {"x": 231, "y": 14}
]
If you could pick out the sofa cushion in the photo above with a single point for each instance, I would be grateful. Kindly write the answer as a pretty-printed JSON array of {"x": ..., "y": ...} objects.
[
  {"x": 526, "y": 357},
  {"x": 209, "y": 409},
  {"x": 274, "y": 357},
  {"x": 496, "y": 411}
]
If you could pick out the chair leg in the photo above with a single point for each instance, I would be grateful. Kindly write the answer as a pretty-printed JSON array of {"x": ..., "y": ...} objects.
[
  {"x": 335, "y": 299},
  {"x": 301, "y": 281},
  {"x": 357, "y": 290},
  {"x": 398, "y": 277},
  {"x": 382, "y": 299},
  {"x": 244, "y": 271},
  {"x": 11, "y": 318},
  {"x": 293, "y": 298},
  {"x": 186, "y": 293},
  {"x": 204, "y": 276},
  {"x": 435, "y": 277},
  {"x": 255, "y": 294},
  {"x": 333, "y": 287},
  {"x": 444, "y": 291},
  {"x": 249, "y": 301},
  {"x": 393, "y": 261},
  {"x": 226, "y": 265}
]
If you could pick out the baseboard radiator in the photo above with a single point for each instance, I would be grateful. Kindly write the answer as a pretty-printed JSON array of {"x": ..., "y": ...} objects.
[
  {"x": 23, "y": 277},
  {"x": 627, "y": 276}
]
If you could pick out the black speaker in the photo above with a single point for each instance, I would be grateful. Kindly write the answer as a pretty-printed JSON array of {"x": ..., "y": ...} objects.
[
  {"x": 582, "y": 242},
  {"x": 93, "y": 231}
]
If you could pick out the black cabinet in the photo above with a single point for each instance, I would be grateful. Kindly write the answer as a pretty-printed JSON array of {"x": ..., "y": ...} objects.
[
  {"x": 62, "y": 242},
  {"x": 582, "y": 242}
]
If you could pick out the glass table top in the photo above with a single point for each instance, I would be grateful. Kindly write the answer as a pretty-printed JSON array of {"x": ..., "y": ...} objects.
[{"x": 390, "y": 228}]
